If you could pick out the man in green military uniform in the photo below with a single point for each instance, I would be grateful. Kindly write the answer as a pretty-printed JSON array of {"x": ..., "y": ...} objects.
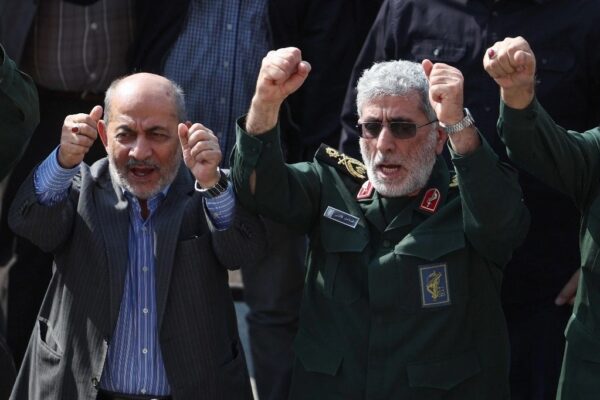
[
  {"x": 19, "y": 112},
  {"x": 569, "y": 162},
  {"x": 19, "y": 115},
  {"x": 402, "y": 294}
]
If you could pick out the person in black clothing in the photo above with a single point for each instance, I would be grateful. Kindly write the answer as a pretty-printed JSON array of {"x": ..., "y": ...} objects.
[{"x": 564, "y": 35}]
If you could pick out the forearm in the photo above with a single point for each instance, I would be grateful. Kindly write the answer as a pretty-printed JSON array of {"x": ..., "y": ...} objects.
[
  {"x": 262, "y": 117},
  {"x": 495, "y": 217}
]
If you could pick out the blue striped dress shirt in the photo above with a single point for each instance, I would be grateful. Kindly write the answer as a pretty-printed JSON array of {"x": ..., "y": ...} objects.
[{"x": 134, "y": 363}]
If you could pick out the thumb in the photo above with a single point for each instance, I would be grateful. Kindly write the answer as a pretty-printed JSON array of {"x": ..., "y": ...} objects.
[
  {"x": 427, "y": 67},
  {"x": 182, "y": 131},
  {"x": 298, "y": 78},
  {"x": 523, "y": 59},
  {"x": 96, "y": 113}
]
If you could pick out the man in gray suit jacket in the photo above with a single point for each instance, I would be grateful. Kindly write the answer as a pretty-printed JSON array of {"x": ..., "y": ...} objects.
[{"x": 139, "y": 305}]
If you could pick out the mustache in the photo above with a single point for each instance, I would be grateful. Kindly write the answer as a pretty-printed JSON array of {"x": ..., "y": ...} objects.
[{"x": 132, "y": 163}]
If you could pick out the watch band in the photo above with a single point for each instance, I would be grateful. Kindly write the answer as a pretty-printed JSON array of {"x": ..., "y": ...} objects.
[
  {"x": 220, "y": 186},
  {"x": 462, "y": 124}
]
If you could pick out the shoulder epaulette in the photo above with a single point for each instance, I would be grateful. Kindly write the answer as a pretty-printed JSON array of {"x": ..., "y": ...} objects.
[{"x": 342, "y": 162}]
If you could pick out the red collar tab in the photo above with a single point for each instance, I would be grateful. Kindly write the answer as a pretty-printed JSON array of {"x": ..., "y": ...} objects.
[
  {"x": 366, "y": 191},
  {"x": 431, "y": 200}
]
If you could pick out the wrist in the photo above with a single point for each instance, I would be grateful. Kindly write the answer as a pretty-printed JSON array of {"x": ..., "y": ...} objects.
[
  {"x": 518, "y": 98},
  {"x": 262, "y": 116},
  {"x": 213, "y": 188}
]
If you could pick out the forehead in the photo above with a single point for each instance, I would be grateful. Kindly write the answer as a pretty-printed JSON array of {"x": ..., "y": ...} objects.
[
  {"x": 407, "y": 107},
  {"x": 143, "y": 102}
]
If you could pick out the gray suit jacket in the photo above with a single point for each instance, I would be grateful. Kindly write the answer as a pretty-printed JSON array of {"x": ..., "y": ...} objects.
[{"x": 88, "y": 235}]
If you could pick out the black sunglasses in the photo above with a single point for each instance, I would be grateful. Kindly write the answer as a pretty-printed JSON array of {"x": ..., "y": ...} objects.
[{"x": 399, "y": 129}]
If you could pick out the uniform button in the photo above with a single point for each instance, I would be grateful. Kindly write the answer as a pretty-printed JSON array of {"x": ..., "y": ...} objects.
[
  {"x": 93, "y": 26},
  {"x": 94, "y": 382},
  {"x": 544, "y": 61},
  {"x": 144, "y": 351},
  {"x": 386, "y": 243},
  {"x": 487, "y": 108},
  {"x": 268, "y": 145},
  {"x": 494, "y": 13}
]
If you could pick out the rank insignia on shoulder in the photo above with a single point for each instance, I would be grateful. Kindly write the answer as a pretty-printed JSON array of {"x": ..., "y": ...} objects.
[
  {"x": 434, "y": 285},
  {"x": 366, "y": 191},
  {"x": 431, "y": 200},
  {"x": 342, "y": 162}
]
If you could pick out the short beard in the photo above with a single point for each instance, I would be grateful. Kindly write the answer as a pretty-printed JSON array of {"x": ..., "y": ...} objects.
[
  {"x": 120, "y": 177},
  {"x": 419, "y": 165}
]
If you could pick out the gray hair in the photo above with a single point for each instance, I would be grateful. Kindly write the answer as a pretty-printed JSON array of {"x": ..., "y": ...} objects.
[
  {"x": 394, "y": 78},
  {"x": 176, "y": 91}
]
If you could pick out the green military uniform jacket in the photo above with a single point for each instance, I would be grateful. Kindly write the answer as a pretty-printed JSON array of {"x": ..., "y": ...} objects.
[
  {"x": 19, "y": 112},
  {"x": 569, "y": 162},
  {"x": 399, "y": 304}
]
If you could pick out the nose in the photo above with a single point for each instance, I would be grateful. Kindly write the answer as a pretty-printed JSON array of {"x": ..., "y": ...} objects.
[
  {"x": 385, "y": 141},
  {"x": 140, "y": 149}
]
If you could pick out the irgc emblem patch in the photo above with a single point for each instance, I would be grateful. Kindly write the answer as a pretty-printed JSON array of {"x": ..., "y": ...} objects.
[{"x": 434, "y": 285}]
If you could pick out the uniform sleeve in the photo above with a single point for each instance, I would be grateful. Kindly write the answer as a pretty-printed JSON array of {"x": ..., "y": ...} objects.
[
  {"x": 495, "y": 218},
  {"x": 19, "y": 112},
  {"x": 565, "y": 160},
  {"x": 288, "y": 194}
]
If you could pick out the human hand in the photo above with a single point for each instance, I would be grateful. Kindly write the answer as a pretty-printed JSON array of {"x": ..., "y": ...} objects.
[
  {"x": 445, "y": 91},
  {"x": 511, "y": 63},
  {"x": 201, "y": 153},
  {"x": 569, "y": 291},
  {"x": 79, "y": 131},
  {"x": 282, "y": 72}
]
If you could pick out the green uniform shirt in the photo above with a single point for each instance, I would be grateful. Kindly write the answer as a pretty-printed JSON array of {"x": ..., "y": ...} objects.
[
  {"x": 403, "y": 306},
  {"x": 569, "y": 162},
  {"x": 19, "y": 112}
]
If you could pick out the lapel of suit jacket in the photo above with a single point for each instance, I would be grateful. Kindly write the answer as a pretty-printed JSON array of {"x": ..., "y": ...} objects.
[
  {"x": 113, "y": 215},
  {"x": 167, "y": 222}
]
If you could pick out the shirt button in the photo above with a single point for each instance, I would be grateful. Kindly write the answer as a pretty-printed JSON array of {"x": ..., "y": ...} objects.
[
  {"x": 487, "y": 108},
  {"x": 494, "y": 13},
  {"x": 94, "y": 382},
  {"x": 229, "y": 27},
  {"x": 222, "y": 100},
  {"x": 143, "y": 391},
  {"x": 145, "y": 269},
  {"x": 226, "y": 64},
  {"x": 93, "y": 26},
  {"x": 93, "y": 75},
  {"x": 144, "y": 351},
  {"x": 145, "y": 310}
]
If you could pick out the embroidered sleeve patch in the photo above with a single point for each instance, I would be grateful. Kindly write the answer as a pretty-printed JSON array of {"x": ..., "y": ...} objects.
[{"x": 434, "y": 285}]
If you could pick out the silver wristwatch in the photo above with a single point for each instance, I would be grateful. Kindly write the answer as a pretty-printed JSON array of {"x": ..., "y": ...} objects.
[
  {"x": 220, "y": 186},
  {"x": 462, "y": 124}
]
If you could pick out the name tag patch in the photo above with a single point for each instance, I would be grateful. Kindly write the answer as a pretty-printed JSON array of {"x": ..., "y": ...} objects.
[
  {"x": 434, "y": 285},
  {"x": 342, "y": 217}
]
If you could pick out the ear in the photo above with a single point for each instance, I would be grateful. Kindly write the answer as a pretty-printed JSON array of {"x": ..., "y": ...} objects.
[
  {"x": 440, "y": 141},
  {"x": 102, "y": 131}
]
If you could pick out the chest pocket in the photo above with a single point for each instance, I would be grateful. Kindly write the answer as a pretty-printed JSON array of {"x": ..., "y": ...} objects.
[
  {"x": 430, "y": 271},
  {"x": 438, "y": 50},
  {"x": 340, "y": 260}
]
